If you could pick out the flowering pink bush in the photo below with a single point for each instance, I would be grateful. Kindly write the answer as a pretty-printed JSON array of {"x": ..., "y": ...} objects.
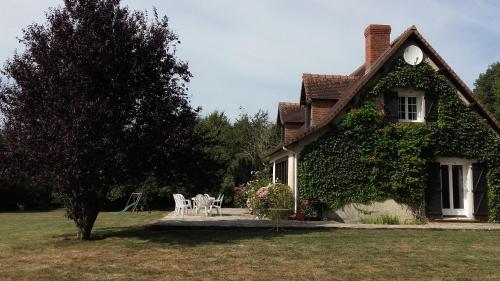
[
  {"x": 250, "y": 202},
  {"x": 263, "y": 191},
  {"x": 257, "y": 198},
  {"x": 278, "y": 196}
]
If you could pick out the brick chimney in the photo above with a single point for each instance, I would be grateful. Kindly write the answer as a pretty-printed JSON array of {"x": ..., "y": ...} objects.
[{"x": 377, "y": 40}]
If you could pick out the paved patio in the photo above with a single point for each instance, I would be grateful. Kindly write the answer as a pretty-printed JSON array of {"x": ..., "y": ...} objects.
[{"x": 241, "y": 218}]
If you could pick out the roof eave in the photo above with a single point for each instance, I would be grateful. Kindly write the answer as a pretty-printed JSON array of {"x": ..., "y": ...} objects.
[{"x": 273, "y": 151}]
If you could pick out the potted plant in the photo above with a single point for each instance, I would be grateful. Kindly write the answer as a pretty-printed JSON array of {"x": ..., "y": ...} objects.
[{"x": 299, "y": 215}]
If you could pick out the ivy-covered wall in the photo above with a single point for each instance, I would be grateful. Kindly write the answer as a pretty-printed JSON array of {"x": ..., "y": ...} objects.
[{"x": 367, "y": 157}]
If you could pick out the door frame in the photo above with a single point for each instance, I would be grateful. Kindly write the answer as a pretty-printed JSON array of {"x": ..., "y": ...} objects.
[{"x": 467, "y": 185}]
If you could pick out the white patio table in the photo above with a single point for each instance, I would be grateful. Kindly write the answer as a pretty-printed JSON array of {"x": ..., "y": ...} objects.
[{"x": 210, "y": 198}]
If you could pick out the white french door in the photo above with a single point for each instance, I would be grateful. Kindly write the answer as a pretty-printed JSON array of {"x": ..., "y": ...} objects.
[{"x": 454, "y": 186}]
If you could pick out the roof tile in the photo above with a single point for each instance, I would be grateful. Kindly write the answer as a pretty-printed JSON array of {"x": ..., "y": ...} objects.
[
  {"x": 318, "y": 86},
  {"x": 291, "y": 112}
]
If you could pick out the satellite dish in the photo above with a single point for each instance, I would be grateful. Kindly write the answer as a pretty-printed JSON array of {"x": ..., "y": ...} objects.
[{"x": 413, "y": 55}]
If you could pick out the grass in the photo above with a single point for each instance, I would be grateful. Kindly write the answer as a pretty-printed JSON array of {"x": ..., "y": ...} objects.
[{"x": 40, "y": 246}]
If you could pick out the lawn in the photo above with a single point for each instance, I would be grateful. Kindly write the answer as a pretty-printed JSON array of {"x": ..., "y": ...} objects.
[{"x": 40, "y": 246}]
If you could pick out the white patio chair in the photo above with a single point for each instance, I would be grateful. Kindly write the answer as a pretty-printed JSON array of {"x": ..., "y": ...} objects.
[
  {"x": 194, "y": 201},
  {"x": 217, "y": 204},
  {"x": 181, "y": 205},
  {"x": 203, "y": 202},
  {"x": 176, "y": 204}
]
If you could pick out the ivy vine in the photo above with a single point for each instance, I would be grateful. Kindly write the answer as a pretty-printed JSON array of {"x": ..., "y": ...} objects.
[{"x": 367, "y": 158}]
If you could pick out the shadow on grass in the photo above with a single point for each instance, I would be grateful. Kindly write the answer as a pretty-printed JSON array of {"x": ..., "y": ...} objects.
[
  {"x": 195, "y": 236},
  {"x": 26, "y": 212}
]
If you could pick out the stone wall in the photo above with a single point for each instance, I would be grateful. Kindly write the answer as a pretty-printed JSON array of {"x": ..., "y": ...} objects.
[{"x": 355, "y": 213}]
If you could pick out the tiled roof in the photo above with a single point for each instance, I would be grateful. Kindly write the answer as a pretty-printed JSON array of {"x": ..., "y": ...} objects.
[
  {"x": 365, "y": 75},
  {"x": 291, "y": 112},
  {"x": 318, "y": 86},
  {"x": 354, "y": 89},
  {"x": 360, "y": 71}
]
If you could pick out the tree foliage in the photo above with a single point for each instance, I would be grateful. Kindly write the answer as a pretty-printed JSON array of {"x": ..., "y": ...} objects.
[
  {"x": 487, "y": 88},
  {"x": 17, "y": 189},
  {"x": 98, "y": 99},
  {"x": 238, "y": 146}
]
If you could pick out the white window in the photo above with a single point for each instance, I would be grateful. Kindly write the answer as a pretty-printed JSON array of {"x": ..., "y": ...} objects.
[{"x": 411, "y": 106}]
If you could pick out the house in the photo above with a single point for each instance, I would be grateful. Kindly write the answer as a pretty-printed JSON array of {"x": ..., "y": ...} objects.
[{"x": 456, "y": 184}]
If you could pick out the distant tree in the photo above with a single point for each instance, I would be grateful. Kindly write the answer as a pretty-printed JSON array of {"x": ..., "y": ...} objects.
[
  {"x": 255, "y": 135},
  {"x": 98, "y": 99},
  {"x": 17, "y": 190},
  {"x": 239, "y": 147},
  {"x": 219, "y": 145},
  {"x": 262, "y": 137},
  {"x": 217, "y": 127},
  {"x": 487, "y": 88}
]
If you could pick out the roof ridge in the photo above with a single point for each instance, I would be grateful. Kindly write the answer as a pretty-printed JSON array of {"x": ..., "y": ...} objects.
[
  {"x": 339, "y": 76},
  {"x": 409, "y": 29},
  {"x": 288, "y": 103}
]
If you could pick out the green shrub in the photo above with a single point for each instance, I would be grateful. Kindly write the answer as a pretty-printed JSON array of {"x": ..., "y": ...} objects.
[
  {"x": 306, "y": 208},
  {"x": 240, "y": 196},
  {"x": 260, "y": 179},
  {"x": 280, "y": 196}
]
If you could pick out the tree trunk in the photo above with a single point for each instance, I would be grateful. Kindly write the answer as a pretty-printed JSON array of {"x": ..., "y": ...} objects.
[
  {"x": 83, "y": 209},
  {"x": 86, "y": 223}
]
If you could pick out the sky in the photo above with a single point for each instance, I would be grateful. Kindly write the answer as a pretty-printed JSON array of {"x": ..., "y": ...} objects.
[{"x": 250, "y": 54}]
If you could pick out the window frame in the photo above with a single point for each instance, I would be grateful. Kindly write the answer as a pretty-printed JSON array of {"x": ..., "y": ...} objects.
[
  {"x": 281, "y": 170},
  {"x": 420, "y": 104}
]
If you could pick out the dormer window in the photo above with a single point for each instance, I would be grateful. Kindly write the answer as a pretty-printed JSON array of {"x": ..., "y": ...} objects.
[{"x": 410, "y": 106}]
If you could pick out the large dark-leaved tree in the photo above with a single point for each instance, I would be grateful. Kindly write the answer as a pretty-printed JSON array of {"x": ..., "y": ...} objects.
[{"x": 96, "y": 99}]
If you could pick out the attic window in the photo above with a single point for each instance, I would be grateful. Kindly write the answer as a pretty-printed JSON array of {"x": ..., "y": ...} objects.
[{"x": 410, "y": 106}]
